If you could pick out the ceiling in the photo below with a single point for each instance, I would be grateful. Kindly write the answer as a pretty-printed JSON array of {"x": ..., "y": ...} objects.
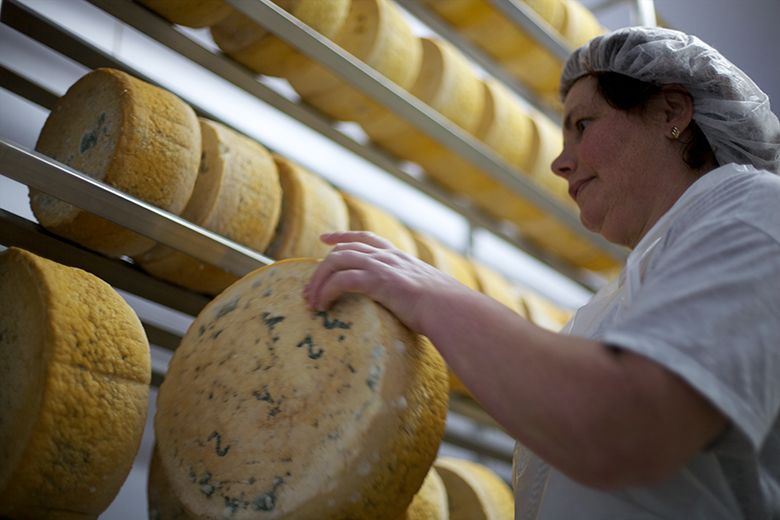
[{"x": 747, "y": 32}]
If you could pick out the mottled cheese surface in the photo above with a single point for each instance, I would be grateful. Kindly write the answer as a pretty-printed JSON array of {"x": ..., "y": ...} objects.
[
  {"x": 74, "y": 386},
  {"x": 272, "y": 410}
]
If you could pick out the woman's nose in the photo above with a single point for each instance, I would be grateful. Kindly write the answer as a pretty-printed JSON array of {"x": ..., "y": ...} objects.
[{"x": 564, "y": 164}]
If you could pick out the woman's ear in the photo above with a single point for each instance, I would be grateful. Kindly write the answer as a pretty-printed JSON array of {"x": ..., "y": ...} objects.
[{"x": 677, "y": 106}]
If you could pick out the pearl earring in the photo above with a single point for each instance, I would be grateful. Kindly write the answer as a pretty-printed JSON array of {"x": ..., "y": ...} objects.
[{"x": 675, "y": 132}]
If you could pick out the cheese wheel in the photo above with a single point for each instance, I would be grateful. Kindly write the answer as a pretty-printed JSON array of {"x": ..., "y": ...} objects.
[
  {"x": 430, "y": 502},
  {"x": 191, "y": 13},
  {"x": 580, "y": 24},
  {"x": 163, "y": 504},
  {"x": 543, "y": 312},
  {"x": 376, "y": 33},
  {"x": 252, "y": 45},
  {"x": 447, "y": 83},
  {"x": 475, "y": 491},
  {"x": 491, "y": 283},
  {"x": 271, "y": 410},
  {"x": 434, "y": 253},
  {"x": 237, "y": 195},
  {"x": 310, "y": 207},
  {"x": 364, "y": 216},
  {"x": 126, "y": 133},
  {"x": 74, "y": 386}
]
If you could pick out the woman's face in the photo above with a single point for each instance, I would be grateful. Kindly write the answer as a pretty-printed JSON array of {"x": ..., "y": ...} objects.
[{"x": 614, "y": 163}]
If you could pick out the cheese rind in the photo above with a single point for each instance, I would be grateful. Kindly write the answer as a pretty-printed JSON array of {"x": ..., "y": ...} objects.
[
  {"x": 364, "y": 216},
  {"x": 237, "y": 195},
  {"x": 430, "y": 502},
  {"x": 126, "y": 133},
  {"x": 310, "y": 207},
  {"x": 253, "y": 46},
  {"x": 162, "y": 502},
  {"x": 375, "y": 32},
  {"x": 475, "y": 492},
  {"x": 271, "y": 410},
  {"x": 74, "y": 386}
]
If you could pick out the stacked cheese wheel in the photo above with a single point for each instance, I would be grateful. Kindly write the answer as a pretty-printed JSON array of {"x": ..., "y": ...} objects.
[
  {"x": 253, "y": 46},
  {"x": 237, "y": 195},
  {"x": 364, "y": 216},
  {"x": 271, "y": 410},
  {"x": 310, "y": 207},
  {"x": 542, "y": 312},
  {"x": 474, "y": 491},
  {"x": 136, "y": 137},
  {"x": 512, "y": 47},
  {"x": 74, "y": 385}
]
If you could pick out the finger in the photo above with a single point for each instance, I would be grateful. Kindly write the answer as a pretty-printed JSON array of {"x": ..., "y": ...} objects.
[
  {"x": 348, "y": 281},
  {"x": 335, "y": 261},
  {"x": 366, "y": 237}
]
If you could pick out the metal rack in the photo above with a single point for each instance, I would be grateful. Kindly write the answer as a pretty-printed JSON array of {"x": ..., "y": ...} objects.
[{"x": 42, "y": 173}]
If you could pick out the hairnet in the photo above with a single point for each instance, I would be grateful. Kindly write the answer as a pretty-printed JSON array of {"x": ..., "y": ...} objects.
[{"x": 728, "y": 106}]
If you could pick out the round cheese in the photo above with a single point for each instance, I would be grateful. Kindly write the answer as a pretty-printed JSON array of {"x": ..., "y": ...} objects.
[
  {"x": 447, "y": 83},
  {"x": 543, "y": 312},
  {"x": 126, "y": 133},
  {"x": 580, "y": 24},
  {"x": 253, "y": 46},
  {"x": 192, "y": 13},
  {"x": 163, "y": 504},
  {"x": 237, "y": 194},
  {"x": 433, "y": 252},
  {"x": 491, "y": 283},
  {"x": 310, "y": 207},
  {"x": 475, "y": 492},
  {"x": 271, "y": 410},
  {"x": 74, "y": 386},
  {"x": 376, "y": 33},
  {"x": 430, "y": 502},
  {"x": 367, "y": 217}
]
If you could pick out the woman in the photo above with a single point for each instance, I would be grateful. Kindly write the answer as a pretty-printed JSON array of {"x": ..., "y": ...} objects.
[{"x": 660, "y": 399}]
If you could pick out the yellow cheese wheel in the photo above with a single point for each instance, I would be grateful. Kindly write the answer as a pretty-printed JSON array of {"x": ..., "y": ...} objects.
[
  {"x": 252, "y": 45},
  {"x": 310, "y": 207},
  {"x": 163, "y": 504},
  {"x": 492, "y": 283},
  {"x": 443, "y": 258},
  {"x": 364, "y": 216},
  {"x": 126, "y": 133},
  {"x": 272, "y": 410},
  {"x": 447, "y": 83},
  {"x": 543, "y": 312},
  {"x": 376, "y": 33},
  {"x": 430, "y": 502},
  {"x": 237, "y": 195},
  {"x": 74, "y": 386},
  {"x": 192, "y": 13},
  {"x": 475, "y": 491},
  {"x": 580, "y": 24}
]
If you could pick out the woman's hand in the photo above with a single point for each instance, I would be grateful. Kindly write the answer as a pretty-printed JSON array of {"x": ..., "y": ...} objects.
[{"x": 362, "y": 262}]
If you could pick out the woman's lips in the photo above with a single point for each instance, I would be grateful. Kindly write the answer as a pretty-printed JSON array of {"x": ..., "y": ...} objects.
[{"x": 576, "y": 188}]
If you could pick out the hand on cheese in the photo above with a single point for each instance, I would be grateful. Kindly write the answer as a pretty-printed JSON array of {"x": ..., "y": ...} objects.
[
  {"x": 74, "y": 385},
  {"x": 271, "y": 410},
  {"x": 126, "y": 133}
]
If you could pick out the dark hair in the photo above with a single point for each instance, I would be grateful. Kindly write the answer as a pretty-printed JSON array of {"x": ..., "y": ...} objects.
[{"x": 632, "y": 95}]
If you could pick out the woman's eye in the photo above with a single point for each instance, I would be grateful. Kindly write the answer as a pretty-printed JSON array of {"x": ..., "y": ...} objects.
[{"x": 581, "y": 124}]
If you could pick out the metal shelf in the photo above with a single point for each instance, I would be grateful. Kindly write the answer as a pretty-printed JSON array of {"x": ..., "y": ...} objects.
[{"x": 58, "y": 38}]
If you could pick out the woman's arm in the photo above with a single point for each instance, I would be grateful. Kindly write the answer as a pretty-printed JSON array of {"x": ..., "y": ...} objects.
[{"x": 605, "y": 417}]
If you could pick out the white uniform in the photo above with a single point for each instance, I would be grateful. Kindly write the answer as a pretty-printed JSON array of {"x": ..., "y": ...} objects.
[{"x": 700, "y": 295}]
